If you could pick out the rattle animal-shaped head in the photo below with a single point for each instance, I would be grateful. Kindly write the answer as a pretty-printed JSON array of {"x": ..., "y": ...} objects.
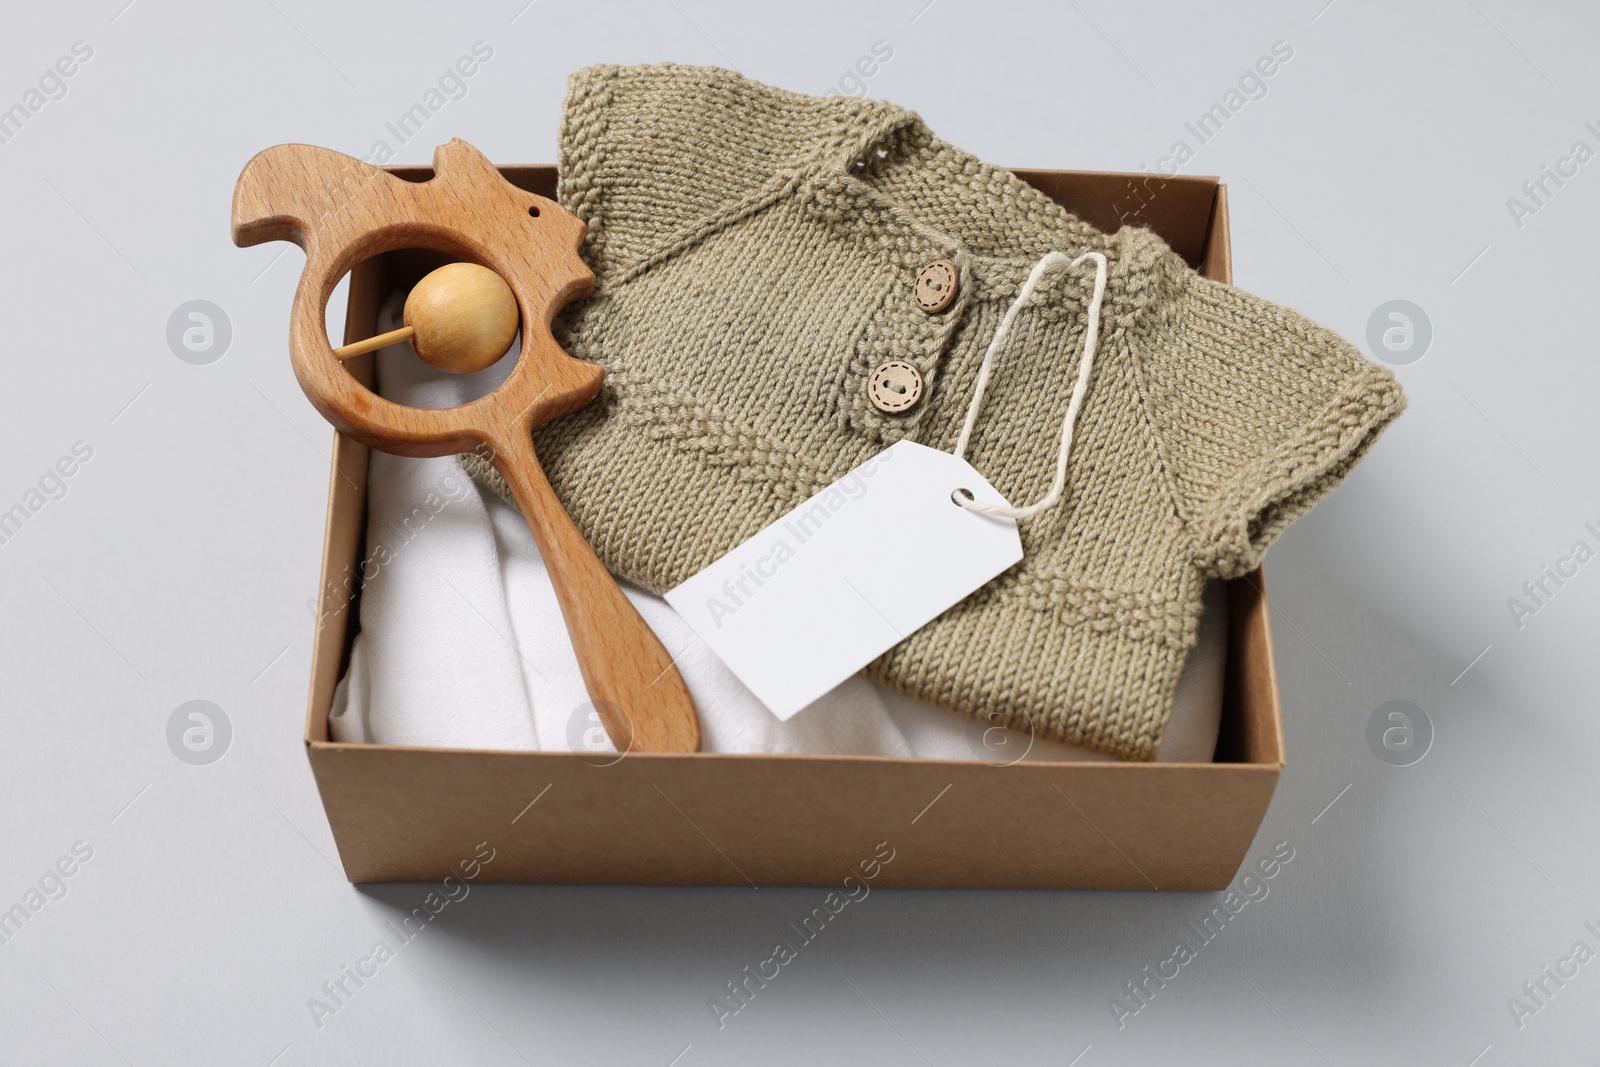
[{"x": 342, "y": 211}]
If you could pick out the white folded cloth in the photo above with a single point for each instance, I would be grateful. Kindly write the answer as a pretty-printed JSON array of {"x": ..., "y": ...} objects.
[{"x": 462, "y": 644}]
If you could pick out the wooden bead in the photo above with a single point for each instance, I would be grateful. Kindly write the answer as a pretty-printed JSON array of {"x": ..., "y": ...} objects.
[{"x": 464, "y": 317}]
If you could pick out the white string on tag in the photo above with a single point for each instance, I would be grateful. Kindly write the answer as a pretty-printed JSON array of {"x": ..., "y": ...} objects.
[{"x": 1091, "y": 333}]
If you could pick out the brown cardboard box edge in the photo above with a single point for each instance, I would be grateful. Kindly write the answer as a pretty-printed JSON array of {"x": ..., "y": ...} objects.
[{"x": 410, "y": 814}]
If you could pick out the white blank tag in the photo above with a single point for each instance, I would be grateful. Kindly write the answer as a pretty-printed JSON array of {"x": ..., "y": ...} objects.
[{"x": 841, "y": 579}]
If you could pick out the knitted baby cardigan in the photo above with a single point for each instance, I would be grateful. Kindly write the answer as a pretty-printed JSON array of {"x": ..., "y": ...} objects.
[{"x": 755, "y": 252}]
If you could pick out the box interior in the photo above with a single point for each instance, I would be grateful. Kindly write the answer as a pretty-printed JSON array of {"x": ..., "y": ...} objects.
[{"x": 1191, "y": 214}]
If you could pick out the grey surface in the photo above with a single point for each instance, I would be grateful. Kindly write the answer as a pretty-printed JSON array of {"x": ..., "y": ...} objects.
[{"x": 178, "y": 565}]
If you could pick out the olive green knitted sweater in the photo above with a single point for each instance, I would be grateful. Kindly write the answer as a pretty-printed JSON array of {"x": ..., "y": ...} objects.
[{"x": 755, "y": 253}]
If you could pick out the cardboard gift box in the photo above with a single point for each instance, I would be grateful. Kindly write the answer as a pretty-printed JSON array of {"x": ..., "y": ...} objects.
[{"x": 410, "y": 814}]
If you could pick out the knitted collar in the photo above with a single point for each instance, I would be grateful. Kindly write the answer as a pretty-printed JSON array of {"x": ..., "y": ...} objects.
[
  {"x": 912, "y": 192},
  {"x": 991, "y": 222}
]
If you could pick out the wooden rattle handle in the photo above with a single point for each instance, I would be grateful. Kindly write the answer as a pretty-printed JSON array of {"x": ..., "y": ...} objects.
[{"x": 639, "y": 694}]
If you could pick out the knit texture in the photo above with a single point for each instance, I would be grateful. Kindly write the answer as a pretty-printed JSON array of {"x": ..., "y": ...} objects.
[{"x": 755, "y": 252}]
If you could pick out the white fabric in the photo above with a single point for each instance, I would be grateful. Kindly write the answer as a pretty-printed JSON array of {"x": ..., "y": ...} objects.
[{"x": 462, "y": 644}]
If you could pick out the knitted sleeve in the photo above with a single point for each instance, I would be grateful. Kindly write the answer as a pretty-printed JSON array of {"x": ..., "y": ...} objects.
[
  {"x": 654, "y": 158},
  {"x": 1259, "y": 414}
]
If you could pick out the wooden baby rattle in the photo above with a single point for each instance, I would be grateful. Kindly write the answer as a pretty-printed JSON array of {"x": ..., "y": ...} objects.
[{"x": 520, "y": 254}]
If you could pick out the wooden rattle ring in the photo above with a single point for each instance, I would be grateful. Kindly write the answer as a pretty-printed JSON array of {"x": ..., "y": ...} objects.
[{"x": 343, "y": 211}]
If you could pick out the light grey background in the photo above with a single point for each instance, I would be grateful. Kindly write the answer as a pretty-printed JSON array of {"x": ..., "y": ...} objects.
[{"x": 179, "y": 563}]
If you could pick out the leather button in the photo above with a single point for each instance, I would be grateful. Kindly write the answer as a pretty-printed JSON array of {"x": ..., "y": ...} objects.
[
  {"x": 895, "y": 387},
  {"x": 936, "y": 286}
]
